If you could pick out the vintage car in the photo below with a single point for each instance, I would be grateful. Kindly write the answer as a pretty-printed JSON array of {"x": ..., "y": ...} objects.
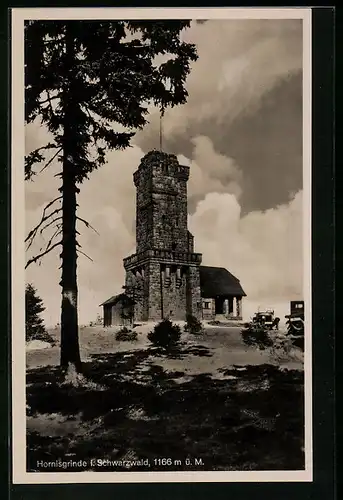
[
  {"x": 264, "y": 318},
  {"x": 295, "y": 320}
]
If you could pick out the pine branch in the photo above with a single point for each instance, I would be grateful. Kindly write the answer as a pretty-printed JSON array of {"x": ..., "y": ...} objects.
[
  {"x": 87, "y": 224},
  {"x": 32, "y": 237},
  {"x": 51, "y": 160},
  {"x": 53, "y": 42},
  {"x": 50, "y": 145},
  {"x": 83, "y": 253},
  {"x": 49, "y": 99},
  {"x": 56, "y": 233},
  {"x": 49, "y": 224},
  {"x": 32, "y": 234},
  {"x": 85, "y": 107},
  {"x": 36, "y": 157},
  {"x": 39, "y": 256},
  {"x": 50, "y": 204}
]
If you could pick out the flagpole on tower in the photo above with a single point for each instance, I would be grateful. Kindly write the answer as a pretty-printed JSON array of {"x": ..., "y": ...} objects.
[{"x": 161, "y": 129}]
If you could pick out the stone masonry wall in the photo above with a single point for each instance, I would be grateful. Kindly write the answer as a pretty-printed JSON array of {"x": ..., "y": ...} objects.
[
  {"x": 169, "y": 223},
  {"x": 143, "y": 181},
  {"x": 137, "y": 289},
  {"x": 154, "y": 294},
  {"x": 194, "y": 304},
  {"x": 161, "y": 203},
  {"x": 161, "y": 223},
  {"x": 169, "y": 184},
  {"x": 174, "y": 294}
]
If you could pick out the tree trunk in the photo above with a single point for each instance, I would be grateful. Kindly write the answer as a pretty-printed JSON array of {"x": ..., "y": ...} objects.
[{"x": 70, "y": 350}]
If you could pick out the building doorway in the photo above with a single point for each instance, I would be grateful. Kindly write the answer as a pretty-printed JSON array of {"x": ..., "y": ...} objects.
[
  {"x": 219, "y": 305},
  {"x": 230, "y": 305}
]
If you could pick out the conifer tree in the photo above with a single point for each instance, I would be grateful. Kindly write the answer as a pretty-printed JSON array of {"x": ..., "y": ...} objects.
[
  {"x": 90, "y": 83},
  {"x": 35, "y": 329}
]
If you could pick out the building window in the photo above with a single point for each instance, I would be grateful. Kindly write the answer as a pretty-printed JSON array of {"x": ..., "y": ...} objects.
[
  {"x": 167, "y": 279},
  {"x": 207, "y": 305}
]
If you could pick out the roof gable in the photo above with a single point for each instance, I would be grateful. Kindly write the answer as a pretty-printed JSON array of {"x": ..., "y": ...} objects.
[
  {"x": 218, "y": 281},
  {"x": 122, "y": 297}
]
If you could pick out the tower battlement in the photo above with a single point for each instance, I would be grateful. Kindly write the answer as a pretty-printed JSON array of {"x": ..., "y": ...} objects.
[
  {"x": 157, "y": 164},
  {"x": 161, "y": 203}
]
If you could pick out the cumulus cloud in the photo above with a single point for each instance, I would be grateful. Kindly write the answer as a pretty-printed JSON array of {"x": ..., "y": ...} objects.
[
  {"x": 107, "y": 202},
  {"x": 263, "y": 249},
  {"x": 239, "y": 62},
  {"x": 245, "y": 163},
  {"x": 245, "y": 95},
  {"x": 210, "y": 172}
]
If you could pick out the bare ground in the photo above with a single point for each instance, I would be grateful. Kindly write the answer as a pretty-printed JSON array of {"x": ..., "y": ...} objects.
[{"x": 212, "y": 400}]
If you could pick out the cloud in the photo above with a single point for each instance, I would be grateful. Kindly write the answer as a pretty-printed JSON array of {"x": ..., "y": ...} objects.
[
  {"x": 107, "y": 202},
  {"x": 241, "y": 134},
  {"x": 262, "y": 248},
  {"x": 210, "y": 172},
  {"x": 245, "y": 95},
  {"x": 239, "y": 62}
]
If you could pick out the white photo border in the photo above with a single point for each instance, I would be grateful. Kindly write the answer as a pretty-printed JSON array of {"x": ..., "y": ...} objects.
[{"x": 19, "y": 473}]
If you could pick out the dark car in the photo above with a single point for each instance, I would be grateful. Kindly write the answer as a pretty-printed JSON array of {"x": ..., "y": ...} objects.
[
  {"x": 295, "y": 320},
  {"x": 264, "y": 318}
]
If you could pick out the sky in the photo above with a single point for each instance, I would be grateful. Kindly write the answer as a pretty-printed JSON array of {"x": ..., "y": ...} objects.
[{"x": 241, "y": 134}]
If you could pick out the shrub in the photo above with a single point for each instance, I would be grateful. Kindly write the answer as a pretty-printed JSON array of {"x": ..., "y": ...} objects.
[
  {"x": 298, "y": 342},
  {"x": 125, "y": 329},
  {"x": 126, "y": 335},
  {"x": 165, "y": 334},
  {"x": 193, "y": 325},
  {"x": 256, "y": 335},
  {"x": 286, "y": 350}
]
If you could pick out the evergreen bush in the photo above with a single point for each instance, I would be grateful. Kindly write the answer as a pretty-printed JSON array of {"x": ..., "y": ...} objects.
[
  {"x": 256, "y": 335},
  {"x": 165, "y": 334},
  {"x": 126, "y": 335},
  {"x": 193, "y": 325}
]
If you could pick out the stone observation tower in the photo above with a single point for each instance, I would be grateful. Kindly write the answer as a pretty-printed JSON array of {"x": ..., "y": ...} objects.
[
  {"x": 163, "y": 275},
  {"x": 164, "y": 278}
]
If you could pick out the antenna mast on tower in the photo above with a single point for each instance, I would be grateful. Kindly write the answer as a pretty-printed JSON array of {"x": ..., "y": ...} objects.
[{"x": 161, "y": 129}]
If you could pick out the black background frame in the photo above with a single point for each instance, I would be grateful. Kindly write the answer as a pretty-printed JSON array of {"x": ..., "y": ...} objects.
[{"x": 323, "y": 294}]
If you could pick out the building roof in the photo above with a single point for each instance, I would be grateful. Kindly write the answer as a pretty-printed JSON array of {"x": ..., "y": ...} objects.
[
  {"x": 217, "y": 281},
  {"x": 117, "y": 298}
]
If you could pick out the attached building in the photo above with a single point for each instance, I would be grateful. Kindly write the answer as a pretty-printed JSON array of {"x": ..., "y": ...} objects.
[
  {"x": 164, "y": 278},
  {"x": 221, "y": 294},
  {"x": 118, "y": 310}
]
